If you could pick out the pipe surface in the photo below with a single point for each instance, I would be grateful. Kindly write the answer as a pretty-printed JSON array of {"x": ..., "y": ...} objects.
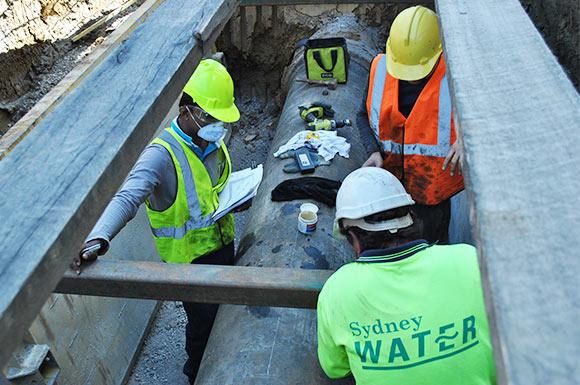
[{"x": 267, "y": 345}]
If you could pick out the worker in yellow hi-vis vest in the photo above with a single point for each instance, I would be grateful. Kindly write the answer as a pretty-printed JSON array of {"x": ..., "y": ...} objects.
[
  {"x": 405, "y": 311},
  {"x": 179, "y": 176}
]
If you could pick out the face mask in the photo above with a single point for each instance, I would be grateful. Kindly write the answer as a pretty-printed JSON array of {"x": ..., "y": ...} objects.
[{"x": 211, "y": 132}]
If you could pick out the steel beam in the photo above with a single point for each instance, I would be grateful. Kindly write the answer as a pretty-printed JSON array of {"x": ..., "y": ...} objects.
[{"x": 240, "y": 285}]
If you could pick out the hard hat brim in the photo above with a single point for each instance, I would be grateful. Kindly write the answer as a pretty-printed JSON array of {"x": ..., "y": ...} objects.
[
  {"x": 392, "y": 224},
  {"x": 410, "y": 72},
  {"x": 226, "y": 115},
  {"x": 383, "y": 204}
]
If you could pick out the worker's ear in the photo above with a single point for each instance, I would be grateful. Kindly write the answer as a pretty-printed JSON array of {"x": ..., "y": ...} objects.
[
  {"x": 416, "y": 230},
  {"x": 183, "y": 111},
  {"x": 353, "y": 240}
]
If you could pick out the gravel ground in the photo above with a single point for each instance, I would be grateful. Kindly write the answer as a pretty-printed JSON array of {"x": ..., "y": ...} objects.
[{"x": 163, "y": 353}]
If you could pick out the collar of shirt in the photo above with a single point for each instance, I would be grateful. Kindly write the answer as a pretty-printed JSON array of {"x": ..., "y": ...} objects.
[
  {"x": 189, "y": 142},
  {"x": 394, "y": 253}
]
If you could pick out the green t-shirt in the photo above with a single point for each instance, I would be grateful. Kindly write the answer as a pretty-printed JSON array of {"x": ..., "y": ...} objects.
[{"x": 413, "y": 315}]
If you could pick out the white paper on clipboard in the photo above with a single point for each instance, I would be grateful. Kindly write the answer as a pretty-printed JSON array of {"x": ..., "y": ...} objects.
[{"x": 242, "y": 186}]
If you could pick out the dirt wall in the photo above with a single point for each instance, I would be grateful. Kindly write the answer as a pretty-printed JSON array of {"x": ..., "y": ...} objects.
[
  {"x": 559, "y": 22},
  {"x": 33, "y": 33}
]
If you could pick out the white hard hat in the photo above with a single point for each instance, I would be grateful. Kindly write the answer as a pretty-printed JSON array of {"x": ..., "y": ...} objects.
[{"x": 368, "y": 191}]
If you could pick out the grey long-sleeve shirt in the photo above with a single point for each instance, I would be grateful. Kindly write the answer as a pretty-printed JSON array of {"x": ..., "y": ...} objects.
[{"x": 152, "y": 178}]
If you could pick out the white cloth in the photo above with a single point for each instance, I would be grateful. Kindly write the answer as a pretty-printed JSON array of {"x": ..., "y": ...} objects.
[{"x": 328, "y": 143}]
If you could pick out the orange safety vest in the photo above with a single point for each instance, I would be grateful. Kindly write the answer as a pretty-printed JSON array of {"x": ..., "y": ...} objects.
[{"x": 416, "y": 146}]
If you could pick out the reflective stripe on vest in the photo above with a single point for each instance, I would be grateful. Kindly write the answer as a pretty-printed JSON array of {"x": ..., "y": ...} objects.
[
  {"x": 441, "y": 149},
  {"x": 377, "y": 95},
  {"x": 196, "y": 219}
]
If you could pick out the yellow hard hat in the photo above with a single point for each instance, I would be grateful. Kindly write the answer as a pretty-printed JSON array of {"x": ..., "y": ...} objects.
[
  {"x": 414, "y": 45},
  {"x": 212, "y": 88}
]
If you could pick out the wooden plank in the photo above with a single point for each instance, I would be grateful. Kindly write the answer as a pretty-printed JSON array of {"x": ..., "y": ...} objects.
[
  {"x": 240, "y": 285},
  {"x": 111, "y": 15},
  {"x": 57, "y": 181},
  {"x": 519, "y": 118},
  {"x": 49, "y": 101}
]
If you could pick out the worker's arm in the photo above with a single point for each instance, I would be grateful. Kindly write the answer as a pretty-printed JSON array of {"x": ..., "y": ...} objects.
[
  {"x": 369, "y": 138},
  {"x": 153, "y": 173},
  {"x": 333, "y": 358}
]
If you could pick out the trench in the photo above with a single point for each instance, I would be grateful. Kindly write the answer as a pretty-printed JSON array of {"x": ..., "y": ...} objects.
[
  {"x": 256, "y": 56},
  {"x": 263, "y": 78},
  {"x": 258, "y": 72}
]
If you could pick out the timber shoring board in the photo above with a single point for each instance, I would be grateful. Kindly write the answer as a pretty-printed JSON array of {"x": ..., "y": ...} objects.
[
  {"x": 57, "y": 181},
  {"x": 239, "y": 285},
  {"x": 519, "y": 117},
  {"x": 49, "y": 101}
]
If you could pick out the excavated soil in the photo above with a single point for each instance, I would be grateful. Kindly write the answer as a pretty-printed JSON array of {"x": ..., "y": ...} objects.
[
  {"x": 36, "y": 50},
  {"x": 559, "y": 22}
]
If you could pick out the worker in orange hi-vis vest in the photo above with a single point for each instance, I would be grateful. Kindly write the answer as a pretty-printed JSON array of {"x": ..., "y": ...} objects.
[{"x": 410, "y": 114}]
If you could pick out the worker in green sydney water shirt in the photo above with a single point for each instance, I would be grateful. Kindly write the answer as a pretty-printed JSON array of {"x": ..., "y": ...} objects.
[{"x": 405, "y": 312}]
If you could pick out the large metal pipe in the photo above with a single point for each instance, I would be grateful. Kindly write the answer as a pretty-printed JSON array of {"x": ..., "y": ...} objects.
[{"x": 266, "y": 345}]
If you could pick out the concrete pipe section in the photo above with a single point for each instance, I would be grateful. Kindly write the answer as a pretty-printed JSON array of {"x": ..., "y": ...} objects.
[{"x": 263, "y": 345}]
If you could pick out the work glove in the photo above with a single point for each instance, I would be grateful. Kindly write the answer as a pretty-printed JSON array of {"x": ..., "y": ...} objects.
[{"x": 88, "y": 253}]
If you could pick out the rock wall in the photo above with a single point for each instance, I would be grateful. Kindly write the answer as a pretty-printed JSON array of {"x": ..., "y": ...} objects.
[
  {"x": 34, "y": 32},
  {"x": 559, "y": 23}
]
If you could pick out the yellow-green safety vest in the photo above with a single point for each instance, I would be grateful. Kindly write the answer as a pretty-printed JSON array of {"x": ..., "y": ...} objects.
[
  {"x": 186, "y": 230},
  {"x": 414, "y": 316}
]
